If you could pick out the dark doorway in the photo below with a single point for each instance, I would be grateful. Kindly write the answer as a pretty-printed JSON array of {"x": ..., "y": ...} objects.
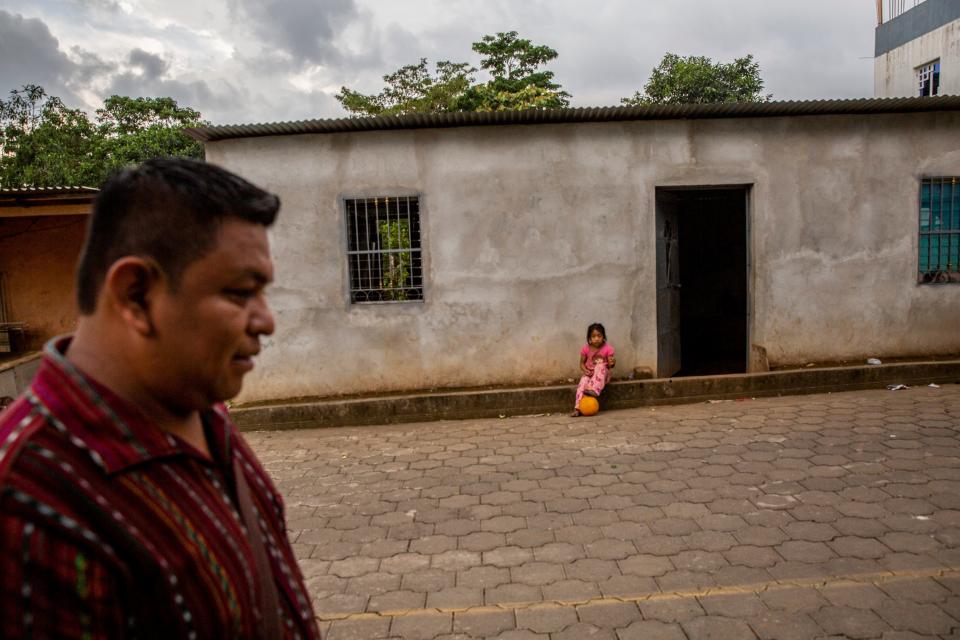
[{"x": 701, "y": 281}]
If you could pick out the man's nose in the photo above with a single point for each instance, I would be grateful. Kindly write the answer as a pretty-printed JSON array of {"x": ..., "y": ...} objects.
[{"x": 261, "y": 319}]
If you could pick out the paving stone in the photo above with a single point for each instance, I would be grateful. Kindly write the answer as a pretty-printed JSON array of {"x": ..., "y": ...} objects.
[
  {"x": 421, "y": 625},
  {"x": 609, "y": 615},
  {"x": 455, "y": 560},
  {"x": 779, "y": 625},
  {"x": 455, "y": 598},
  {"x": 850, "y": 623},
  {"x": 717, "y": 628},
  {"x": 592, "y": 570},
  {"x": 339, "y": 604},
  {"x": 855, "y": 595},
  {"x": 484, "y": 622},
  {"x": 507, "y": 556},
  {"x": 484, "y": 577},
  {"x": 481, "y": 541},
  {"x": 559, "y": 552},
  {"x": 433, "y": 544},
  {"x": 546, "y": 618},
  {"x": 670, "y": 609},
  {"x": 919, "y": 618},
  {"x": 917, "y": 590},
  {"x": 352, "y": 567},
  {"x": 428, "y": 580},
  {"x": 512, "y": 594},
  {"x": 571, "y": 591},
  {"x": 628, "y": 586},
  {"x": 537, "y": 573},
  {"x": 737, "y": 605},
  {"x": 802, "y": 551},
  {"x": 652, "y": 630},
  {"x": 373, "y": 583},
  {"x": 609, "y": 549},
  {"x": 397, "y": 601},
  {"x": 698, "y": 561},
  {"x": 358, "y": 628}
]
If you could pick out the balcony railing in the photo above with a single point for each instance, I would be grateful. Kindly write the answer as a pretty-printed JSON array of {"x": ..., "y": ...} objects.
[{"x": 894, "y": 8}]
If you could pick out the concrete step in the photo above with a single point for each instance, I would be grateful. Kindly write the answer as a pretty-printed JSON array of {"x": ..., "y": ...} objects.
[{"x": 621, "y": 394}]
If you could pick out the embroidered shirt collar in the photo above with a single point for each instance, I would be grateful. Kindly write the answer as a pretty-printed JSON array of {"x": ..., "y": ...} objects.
[{"x": 115, "y": 432}]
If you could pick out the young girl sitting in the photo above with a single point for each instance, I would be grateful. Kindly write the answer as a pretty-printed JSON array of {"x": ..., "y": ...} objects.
[{"x": 596, "y": 360}]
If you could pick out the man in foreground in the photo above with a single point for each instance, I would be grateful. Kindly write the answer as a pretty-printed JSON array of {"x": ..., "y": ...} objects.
[{"x": 129, "y": 504}]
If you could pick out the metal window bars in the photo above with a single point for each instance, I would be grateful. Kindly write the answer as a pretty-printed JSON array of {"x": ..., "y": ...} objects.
[
  {"x": 928, "y": 79},
  {"x": 939, "y": 246},
  {"x": 383, "y": 249}
]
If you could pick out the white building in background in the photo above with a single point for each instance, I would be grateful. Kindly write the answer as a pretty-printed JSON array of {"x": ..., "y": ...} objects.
[{"x": 917, "y": 48}]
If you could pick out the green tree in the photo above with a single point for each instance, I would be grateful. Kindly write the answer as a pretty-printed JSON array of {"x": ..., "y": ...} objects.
[
  {"x": 134, "y": 129},
  {"x": 412, "y": 89},
  {"x": 43, "y": 143},
  {"x": 699, "y": 80},
  {"x": 517, "y": 81},
  {"x": 395, "y": 262}
]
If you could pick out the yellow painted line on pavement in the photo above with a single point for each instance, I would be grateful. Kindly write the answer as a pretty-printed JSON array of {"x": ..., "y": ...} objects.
[{"x": 851, "y": 580}]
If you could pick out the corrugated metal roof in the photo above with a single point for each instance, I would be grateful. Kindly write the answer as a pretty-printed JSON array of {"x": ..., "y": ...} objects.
[
  {"x": 47, "y": 191},
  {"x": 585, "y": 114}
]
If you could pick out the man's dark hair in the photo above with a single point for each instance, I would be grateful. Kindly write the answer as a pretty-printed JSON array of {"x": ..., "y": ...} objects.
[{"x": 168, "y": 209}]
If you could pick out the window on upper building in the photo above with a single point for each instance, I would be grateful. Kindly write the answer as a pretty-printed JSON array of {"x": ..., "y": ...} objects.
[
  {"x": 928, "y": 79},
  {"x": 939, "y": 230},
  {"x": 383, "y": 249}
]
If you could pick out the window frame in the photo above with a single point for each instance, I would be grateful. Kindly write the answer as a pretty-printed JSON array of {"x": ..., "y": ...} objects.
[
  {"x": 928, "y": 73},
  {"x": 938, "y": 232},
  {"x": 351, "y": 292}
]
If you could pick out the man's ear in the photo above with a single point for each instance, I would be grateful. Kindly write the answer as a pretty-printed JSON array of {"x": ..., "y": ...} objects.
[{"x": 131, "y": 285}]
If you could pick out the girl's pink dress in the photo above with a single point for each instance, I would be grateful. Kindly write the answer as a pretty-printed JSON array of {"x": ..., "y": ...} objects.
[{"x": 599, "y": 372}]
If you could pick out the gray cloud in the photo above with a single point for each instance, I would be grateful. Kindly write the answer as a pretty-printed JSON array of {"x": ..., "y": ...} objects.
[
  {"x": 304, "y": 30},
  {"x": 30, "y": 54},
  {"x": 151, "y": 65}
]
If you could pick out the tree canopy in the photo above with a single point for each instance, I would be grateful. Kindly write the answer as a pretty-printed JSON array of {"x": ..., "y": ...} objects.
[
  {"x": 699, "y": 80},
  {"x": 518, "y": 80},
  {"x": 43, "y": 143}
]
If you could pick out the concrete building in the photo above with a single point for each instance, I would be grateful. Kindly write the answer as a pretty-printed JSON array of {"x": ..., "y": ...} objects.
[
  {"x": 917, "y": 48},
  {"x": 41, "y": 233},
  {"x": 472, "y": 249}
]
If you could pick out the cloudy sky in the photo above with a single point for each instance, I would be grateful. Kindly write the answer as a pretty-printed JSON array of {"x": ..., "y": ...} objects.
[{"x": 243, "y": 61}]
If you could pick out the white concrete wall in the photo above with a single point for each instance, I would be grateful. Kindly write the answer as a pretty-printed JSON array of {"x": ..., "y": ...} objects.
[
  {"x": 895, "y": 73},
  {"x": 532, "y": 232}
]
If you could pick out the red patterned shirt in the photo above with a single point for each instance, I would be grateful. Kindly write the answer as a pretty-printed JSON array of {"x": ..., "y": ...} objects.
[{"x": 112, "y": 528}]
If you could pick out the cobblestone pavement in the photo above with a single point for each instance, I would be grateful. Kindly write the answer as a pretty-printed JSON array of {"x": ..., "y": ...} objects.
[{"x": 833, "y": 515}]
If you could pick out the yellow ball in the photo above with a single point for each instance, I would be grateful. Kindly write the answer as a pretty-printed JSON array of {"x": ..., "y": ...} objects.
[{"x": 589, "y": 406}]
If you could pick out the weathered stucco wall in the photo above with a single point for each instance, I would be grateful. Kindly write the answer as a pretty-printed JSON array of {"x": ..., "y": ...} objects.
[
  {"x": 532, "y": 232},
  {"x": 894, "y": 72},
  {"x": 38, "y": 256}
]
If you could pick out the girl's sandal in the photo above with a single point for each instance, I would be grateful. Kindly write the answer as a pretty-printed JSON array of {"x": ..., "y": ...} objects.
[{"x": 575, "y": 414}]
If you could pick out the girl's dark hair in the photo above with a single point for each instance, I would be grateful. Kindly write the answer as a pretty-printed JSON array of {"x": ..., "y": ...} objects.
[
  {"x": 169, "y": 209},
  {"x": 598, "y": 327}
]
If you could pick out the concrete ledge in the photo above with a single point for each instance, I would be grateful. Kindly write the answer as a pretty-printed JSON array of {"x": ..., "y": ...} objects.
[{"x": 423, "y": 407}]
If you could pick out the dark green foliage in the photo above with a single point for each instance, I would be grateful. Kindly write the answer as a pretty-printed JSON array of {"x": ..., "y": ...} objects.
[
  {"x": 45, "y": 144},
  {"x": 517, "y": 82},
  {"x": 699, "y": 80}
]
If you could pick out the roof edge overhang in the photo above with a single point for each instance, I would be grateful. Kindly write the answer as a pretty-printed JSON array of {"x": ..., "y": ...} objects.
[{"x": 860, "y": 106}]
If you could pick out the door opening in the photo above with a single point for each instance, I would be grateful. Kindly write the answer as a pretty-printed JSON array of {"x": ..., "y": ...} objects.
[{"x": 701, "y": 281}]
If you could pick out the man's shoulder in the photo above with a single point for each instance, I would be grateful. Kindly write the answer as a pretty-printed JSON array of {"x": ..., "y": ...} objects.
[{"x": 19, "y": 423}]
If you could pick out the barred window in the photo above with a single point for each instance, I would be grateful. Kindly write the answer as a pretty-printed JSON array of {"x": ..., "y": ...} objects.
[
  {"x": 928, "y": 79},
  {"x": 939, "y": 230},
  {"x": 383, "y": 249}
]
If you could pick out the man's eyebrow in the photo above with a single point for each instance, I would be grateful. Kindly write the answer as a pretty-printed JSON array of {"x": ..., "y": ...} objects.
[{"x": 257, "y": 276}]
